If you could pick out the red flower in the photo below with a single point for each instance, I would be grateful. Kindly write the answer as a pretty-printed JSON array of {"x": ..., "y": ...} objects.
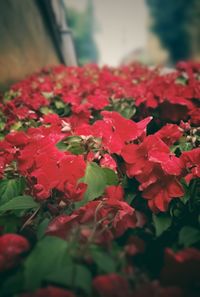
[
  {"x": 7, "y": 153},
  {"x": 170, "y": 133},
  {"x": 108, "y": 161},
  {"x": 74, "y": 192},
  {"x": 126, "y": 129},
  {"x": 81, "y": 115},
  {"x": 111, "y": 140},
  {"x": 134, "y": 246},
  {"x": 137, "y": 155},
  {"x": 162, "y": 191},
  {"x": 156, "y": 170},
  {"x": 49, "y": 292},
  {"x": 61, "y": 174},
  {"x": 154, "y": 289},
  {"x": 114, "y": 130},
  {"x": 191, "y": 161},
  {"x": 115, "y": 192},
  {"x": 52, "y": 119},
  {"x": 110, "y": 218},
  {"x": 181, "y": 268},
  {"x": 98, "y": 100},
  {"x": 71, "y": 169},
  {"x": 62, "y": 225},
  {"x": 18, "y": 139},
  {"x": 169, "y": 163},
  {"x": 45, "y": 167},
  {"x": 111, "y": 285},
  {"x": 12, "y": 247},
  {"x": 195, "y": 116}
]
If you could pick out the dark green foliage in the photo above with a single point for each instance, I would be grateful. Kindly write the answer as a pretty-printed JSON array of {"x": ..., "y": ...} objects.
[{"x": 170, "y": 22}]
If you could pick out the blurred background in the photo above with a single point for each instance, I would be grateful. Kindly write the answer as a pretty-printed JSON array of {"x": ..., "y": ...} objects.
[{"x": 38, "y": 33}]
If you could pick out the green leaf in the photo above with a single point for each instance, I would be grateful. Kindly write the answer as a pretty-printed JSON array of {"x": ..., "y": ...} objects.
[
  {"x": 67, "y": 273},
  {"x": 111, "y": 177},
  {"x": 189, "y": 236},
  {"x": 59, "y": 104},
  {"x": 42, "y": 228},
  {"x": 9, "y": 95},
  {"x": 124, "y": 106},
  {"x": 128, "y": 112},
  {"x": 19, "y": 202},
  {"x": 12, "y": 285},
  {"x": 2, "y": 126},
  {"x": 10, "y": 188},
  {"x": 10, "y": 223},
  {"x": 95, "y": 180},
  {"x": 104, "y": 261},
  {"x": 62, "y": 146},
  {"x": 48, "y": 95},
  {"x": 83, "y": 279},
  {"x": 186, "y": 146},
  {"x": 76, "y": 149},
  {"x": 187, "y": 194},
  {"x": 161, "y": 223},
  {"x": 72, "y": 144},
  {"x": 46, "y": 259},
  {"x": 61, "y": 108},
  {"x": 63, "y": 273},
  {"x": 16, "y": 126},
  {"x": 45, "y": 110}
]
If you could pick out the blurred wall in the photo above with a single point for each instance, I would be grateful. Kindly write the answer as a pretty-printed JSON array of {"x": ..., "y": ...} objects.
[{"x": 25, "y": 42}]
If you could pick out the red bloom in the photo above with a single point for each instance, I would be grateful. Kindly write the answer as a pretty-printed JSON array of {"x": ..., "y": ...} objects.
[
  {"x": 181, "y": 268},
  {"x": 126, "y": 129},
  {"x": 12, "y": 247},
  {"x": 170, "y": 133},
  {"x": 195, "y": 116},
  {"x": 7, "y": 153},
  {"x": 191, "y": 161},
  {"x": 108, "y": 161},
  {"x": 162, "y": 191},
  {"x": 154, "y": 289},
  {"x": 45, "y": 167},
  {"x": 137, "y": 155},
  {"x": 49, "y": 292},
  {"x": 17, "y": 138},
  {"x": 114, "y": 130},
  {"x": 62, "y": 225},
  {"x": 71, "y": 169},
  {"x": 52, "y": 119},
  {"x": 169, "y": 163},
  {"x": 61, "y": 174},
  {"x": 134, "y": 246},
  {"x": 110, "y": 216},
  {"x": 156, "y": 170},
  {"x": 98, "y": 100},
  {"x": 115, "y": 192},
  {"x": 74, "y": 192},
  {"x": 81, "y": 115},
  {"x": 111, "y": 285}
]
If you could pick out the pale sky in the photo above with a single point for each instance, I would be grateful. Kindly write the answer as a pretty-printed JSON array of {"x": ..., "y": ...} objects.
[{"x": 121, "y": 27}]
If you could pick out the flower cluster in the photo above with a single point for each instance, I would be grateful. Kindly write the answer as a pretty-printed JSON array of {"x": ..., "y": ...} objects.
[{"x": 99, "y": 182}]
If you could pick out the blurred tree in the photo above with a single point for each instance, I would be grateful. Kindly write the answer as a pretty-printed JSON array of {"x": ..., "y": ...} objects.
[
  {"x": 194, "y": 28},
  {"x": 83, "y": 26},
  {"x": 171, "y": 22}
]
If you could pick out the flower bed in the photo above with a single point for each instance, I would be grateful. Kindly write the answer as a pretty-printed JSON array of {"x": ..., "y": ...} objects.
[{"x": 99, "y": 183}]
